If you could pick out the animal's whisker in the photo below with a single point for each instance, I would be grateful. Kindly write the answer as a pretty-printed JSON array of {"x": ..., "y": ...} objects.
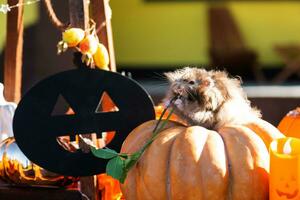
[
  {"x": 158, "y": 87},
  {"x": 161, "y": 84},
  {"x": 166, "y": 85},
  {"x": 160, "y": 76}
]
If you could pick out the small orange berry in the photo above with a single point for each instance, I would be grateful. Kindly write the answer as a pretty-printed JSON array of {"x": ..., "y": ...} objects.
[
  {"x": 101, "y": 57},
  {"x": 89, "y": 45},
  {"x": 73, "y": 36}
]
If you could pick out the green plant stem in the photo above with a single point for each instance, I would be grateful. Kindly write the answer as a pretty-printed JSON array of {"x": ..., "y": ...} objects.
[
  {"x": 157, "y": 130},
  {"x": 160, "y": 118}
]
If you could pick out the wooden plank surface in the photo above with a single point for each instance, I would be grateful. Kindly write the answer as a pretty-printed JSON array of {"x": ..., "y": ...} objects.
[
  {"x": 12, "y": 192},
  {"x": 13, "y": 53},
  {"x": 34, "y": 193}
]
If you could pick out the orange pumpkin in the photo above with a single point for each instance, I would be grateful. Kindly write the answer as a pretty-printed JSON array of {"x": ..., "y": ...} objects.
[
  {"x": 197, "y": 163},
  {"x": 290, "y": 124}
]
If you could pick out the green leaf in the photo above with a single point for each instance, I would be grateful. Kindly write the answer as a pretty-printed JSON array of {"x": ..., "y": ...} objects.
[
  {"x": 104, "y": 153},
  {"x": 115, "y": 167},
  {"x": 131, "y": 161},
  {"x": 128, "y": 164}
]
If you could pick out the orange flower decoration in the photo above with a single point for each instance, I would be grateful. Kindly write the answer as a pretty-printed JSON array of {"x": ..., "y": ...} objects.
[
  {"x": 109, "y": 187},
  {"x": 158, "y": 111}
]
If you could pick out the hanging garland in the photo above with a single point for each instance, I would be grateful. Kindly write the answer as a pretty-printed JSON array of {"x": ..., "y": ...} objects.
[
  {"x": 53, "y": 17},
  {"x": 5, "y": 8},
  {"x": 94, "y": 53}
]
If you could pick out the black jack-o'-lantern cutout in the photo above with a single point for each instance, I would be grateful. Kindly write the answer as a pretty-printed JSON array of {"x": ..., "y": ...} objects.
[{"x": 36, "y": 129}]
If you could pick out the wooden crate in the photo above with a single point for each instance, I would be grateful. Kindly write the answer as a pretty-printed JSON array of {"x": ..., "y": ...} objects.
[{"x": 11, "y": 192}]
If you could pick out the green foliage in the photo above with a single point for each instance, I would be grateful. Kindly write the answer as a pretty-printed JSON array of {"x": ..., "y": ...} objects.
[
  {"x": 116, "y": 168},
  {"x": 104, "y": 153}
]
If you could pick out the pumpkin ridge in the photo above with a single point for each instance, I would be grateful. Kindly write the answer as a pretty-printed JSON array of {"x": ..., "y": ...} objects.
[
  {"x": 201, "y": 173},
  {"x": 136, "y": 175},
  {"x": 142, "y": 181},
  {"x": 230, "y": 168},
  {"x": 202, "y": 179},
  {"x": 180, "y": 158},
  {"x": 256, "y": 169},
  {"x": 266, "y": 131},
  {"x": 235, "y": 142},
  {"x": 166, "y": 136},
  {"x": 253, "y": 183},
  {"x": 168, "y": 180},
  {"x": 230, "y": 183},
  {"x": 133, "y": 174},
  {"x": 205, "y": 157},
  {"x": 251, "y": 149}
]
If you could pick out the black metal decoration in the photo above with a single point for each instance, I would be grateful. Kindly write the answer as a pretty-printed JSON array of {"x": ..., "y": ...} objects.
[{"x": 36, "y": 130}]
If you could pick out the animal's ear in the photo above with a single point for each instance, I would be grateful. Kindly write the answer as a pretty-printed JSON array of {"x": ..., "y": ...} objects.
[
  {"x": 219, "y": 75},
  {"x": 208, "y": 82},
  {"x": 226, "y": 78},
  {"x": 230, "y": 85}
]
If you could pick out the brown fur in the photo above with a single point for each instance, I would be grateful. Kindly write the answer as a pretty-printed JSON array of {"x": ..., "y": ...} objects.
[{"x": 209, "y": 98}]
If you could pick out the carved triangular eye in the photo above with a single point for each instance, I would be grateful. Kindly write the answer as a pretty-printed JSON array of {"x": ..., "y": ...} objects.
[
  {"x": 106, "y": 106},
  {"x": 62, "y": 107}
]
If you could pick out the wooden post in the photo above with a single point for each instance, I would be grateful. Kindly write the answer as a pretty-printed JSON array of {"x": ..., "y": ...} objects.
[
  {"x": 79, "y": 18},
  {"x": 79, "y": 13},
  {"x": 100, "y": 12},
  {"x": 13, "y": 53}
]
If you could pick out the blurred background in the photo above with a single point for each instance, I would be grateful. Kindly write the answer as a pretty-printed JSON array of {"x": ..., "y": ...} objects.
[{"x": 257, "y": 40}]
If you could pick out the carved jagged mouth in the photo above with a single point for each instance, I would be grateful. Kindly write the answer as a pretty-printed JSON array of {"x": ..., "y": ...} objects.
[{"x": 287, "y": 195}]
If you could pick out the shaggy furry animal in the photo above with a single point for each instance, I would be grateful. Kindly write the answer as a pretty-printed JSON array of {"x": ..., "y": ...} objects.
[{"x": 208, "y": 98}]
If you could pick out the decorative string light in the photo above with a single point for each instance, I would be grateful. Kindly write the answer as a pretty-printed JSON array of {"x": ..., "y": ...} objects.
[{"x": 5, "y": 8}]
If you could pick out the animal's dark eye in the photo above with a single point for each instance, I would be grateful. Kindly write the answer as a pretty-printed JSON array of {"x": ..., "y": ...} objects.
[
  {"x": 192, "y": 82},
  {"x": 185, "y": 80}
]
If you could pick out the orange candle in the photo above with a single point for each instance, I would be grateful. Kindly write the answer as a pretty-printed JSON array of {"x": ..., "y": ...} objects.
[{"x": 285, "y": 169}]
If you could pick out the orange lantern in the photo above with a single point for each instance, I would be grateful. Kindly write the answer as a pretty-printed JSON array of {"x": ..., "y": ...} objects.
[
  {"x": 290, "y": 124},
  {"x": 285, "y": 169}
]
